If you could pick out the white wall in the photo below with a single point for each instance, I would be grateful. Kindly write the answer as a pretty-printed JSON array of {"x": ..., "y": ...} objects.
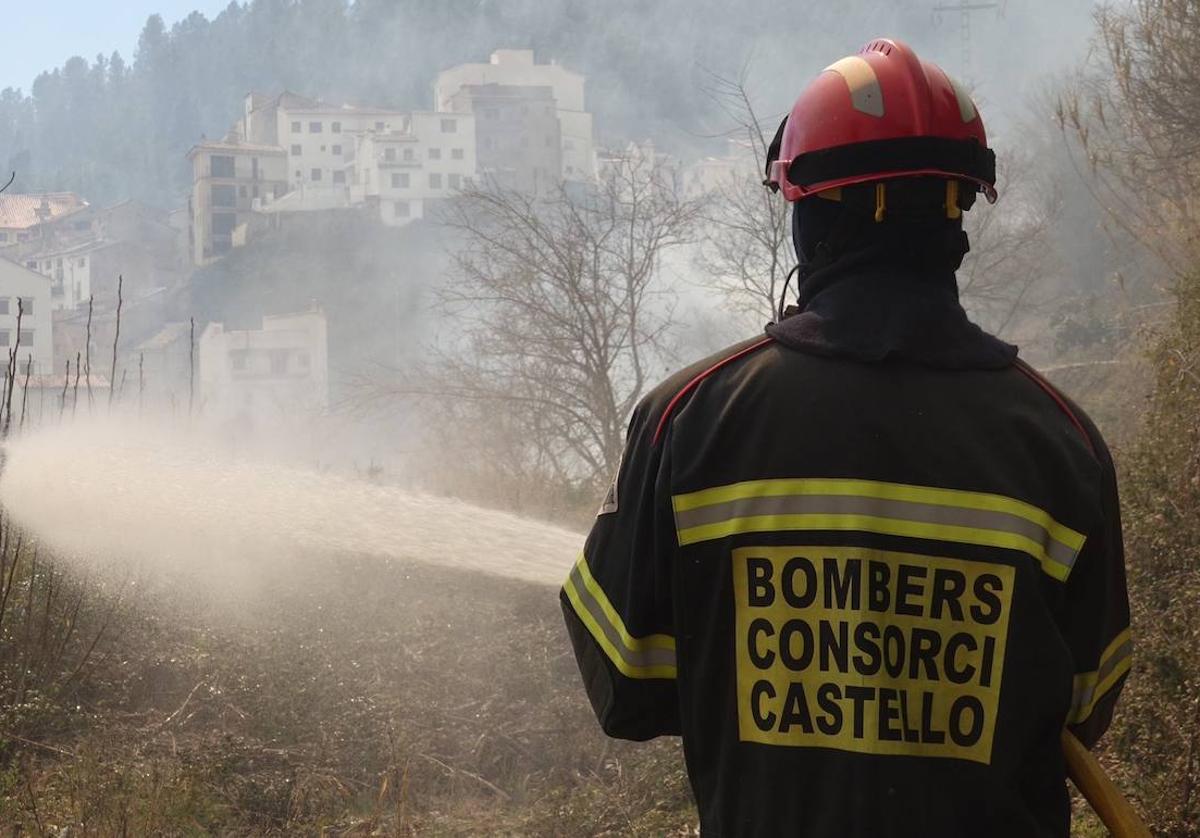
[
  {"x": 18, "y": 281},
  {"x": 264, "y": 379}
]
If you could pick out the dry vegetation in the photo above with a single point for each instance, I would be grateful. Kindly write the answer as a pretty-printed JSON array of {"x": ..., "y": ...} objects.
[
  {"x": 359, "y": 698},
  {"x": 363, "y": 697}
]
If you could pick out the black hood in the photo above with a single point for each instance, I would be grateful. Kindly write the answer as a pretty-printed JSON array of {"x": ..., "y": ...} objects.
[{"x": 873, "y": 291}]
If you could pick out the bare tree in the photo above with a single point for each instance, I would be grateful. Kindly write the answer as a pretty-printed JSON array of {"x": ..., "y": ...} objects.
[
  {"x": 1010, "y": 256},
  {"x": 556, "y": 297},
  {"x": 1134, "y": 113},
  {"x": 747, "y": 253}
]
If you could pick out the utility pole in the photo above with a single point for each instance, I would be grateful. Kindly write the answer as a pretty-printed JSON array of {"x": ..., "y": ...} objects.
[{"x": 965, "y": 10}]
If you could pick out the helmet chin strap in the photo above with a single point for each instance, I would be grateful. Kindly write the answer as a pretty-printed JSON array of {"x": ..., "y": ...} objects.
[{"x": 787, "y": 281}]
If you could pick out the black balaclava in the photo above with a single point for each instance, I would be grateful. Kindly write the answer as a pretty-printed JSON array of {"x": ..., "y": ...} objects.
[{"x": 871, "y": 290}]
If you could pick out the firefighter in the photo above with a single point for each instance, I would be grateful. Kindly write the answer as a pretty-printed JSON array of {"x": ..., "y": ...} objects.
[{"x": 869, "y": 564}]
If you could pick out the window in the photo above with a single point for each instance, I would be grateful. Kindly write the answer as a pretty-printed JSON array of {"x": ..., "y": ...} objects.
[
  {"x": 299, "y": 174},
  {"x": 27, "y": 367},
  {"x": 322, "y": 148},
  {"x": 455, "y": 181},
  {"x": 222, "y": 165},
  {"x": 378, "y": 126},
  {"x": 316, "y": 174},
  {"x": 3, "y": 305},
  {"x": 339, "y": 176},
  {"x": 83, "y": 261},
  {"x": 223, "y": 223},
  {"x": 490, "y": 113},
  {"x": 337, "y": 150},
  {"x": 31, "y": 264},
  {"x": 435, "y": 180},
  {"x": 238, "y": 359},
  {"x": 389, "y": 154},
  {"x": 400, "y": 180},
  {"x": 4, "y": 337},
  {"x": 223, "y": 195},
  {"x": 279, "y": 364},
  {"x": 335, "y": 127},
  {"x": 254, "y": 168},
  {"x": 400, "y": 209},
  {"x": 408, "y": 154},
  {"x": 456, "y": 153},
  {"x": 435, "y": 154},
  {"x": 26, "y": 337},
  {"x": 242, "y": 191},
  {"x": 449, "y": 126},
  {"x": 568, "y": 145},
  {"x": 296, "y": 150},
  {"x": 296, "y": 127},
  {"x": 27, "y": 306},
  {"x": 3, "y": 236},
  {"x": 314, "y": 128},
  {"x": 302, "y": 360}
]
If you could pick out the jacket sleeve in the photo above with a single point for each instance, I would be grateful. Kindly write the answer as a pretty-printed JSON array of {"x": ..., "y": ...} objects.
[
  {"x": 617, "y": 598},
  {"x": 1095, "y": 615}
]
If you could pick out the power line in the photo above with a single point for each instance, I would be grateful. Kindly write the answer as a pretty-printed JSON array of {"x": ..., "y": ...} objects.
[{"x": 965, "y": 11}]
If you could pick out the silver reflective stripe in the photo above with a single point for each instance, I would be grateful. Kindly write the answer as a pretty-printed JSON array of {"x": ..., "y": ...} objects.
[
  {"x": 865, "y": 92},
  {"x": 635, "y": 658},
  {"x": 979, "y": 519}
]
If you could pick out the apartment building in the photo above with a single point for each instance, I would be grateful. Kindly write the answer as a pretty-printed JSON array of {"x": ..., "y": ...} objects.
[
  {"x": 260, "y": 379},
  {"x": 517, "y": 68},
  {"x": 228, "y": 177},
  {"x": 518, "y": 136},
  {"x": 430, "y": 156}
]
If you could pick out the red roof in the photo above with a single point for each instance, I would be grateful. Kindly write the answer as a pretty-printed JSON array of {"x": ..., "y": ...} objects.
[{"x": 23, "y": 211}]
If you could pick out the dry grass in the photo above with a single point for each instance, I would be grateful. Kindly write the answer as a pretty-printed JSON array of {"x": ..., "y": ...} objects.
[{"x": 366, "y": 698}]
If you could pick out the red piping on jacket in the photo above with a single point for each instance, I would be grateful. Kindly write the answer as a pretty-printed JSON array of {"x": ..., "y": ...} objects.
[
  {"x": 1046, "y": 386},
  {"x": 695, "y": 382}
]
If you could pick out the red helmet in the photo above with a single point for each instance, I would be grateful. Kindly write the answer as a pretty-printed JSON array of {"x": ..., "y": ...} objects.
[{"x": 881, "y": 114}]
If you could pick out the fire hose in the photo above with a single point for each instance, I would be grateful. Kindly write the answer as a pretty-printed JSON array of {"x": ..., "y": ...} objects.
[{"x": 1115, "y": 812}]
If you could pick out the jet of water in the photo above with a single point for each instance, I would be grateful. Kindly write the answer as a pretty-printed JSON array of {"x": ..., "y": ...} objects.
[{"x": 125, "y": 491}]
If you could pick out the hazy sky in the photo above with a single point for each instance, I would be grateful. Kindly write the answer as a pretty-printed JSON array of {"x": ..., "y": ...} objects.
[{"x": 42, "y": 35}]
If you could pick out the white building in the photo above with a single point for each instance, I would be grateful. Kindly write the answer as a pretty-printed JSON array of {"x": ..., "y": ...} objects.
[
  {"x": 262, "y": 379},
  {"x": 517, "y": 68},
  {"x": 330, "y": 157},
  {"x": 32, "y": 291},
  {"x": 428, "y": 157}
]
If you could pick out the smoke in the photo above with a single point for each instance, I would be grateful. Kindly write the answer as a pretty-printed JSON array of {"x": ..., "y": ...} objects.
[{"x": 139, "y": 497}]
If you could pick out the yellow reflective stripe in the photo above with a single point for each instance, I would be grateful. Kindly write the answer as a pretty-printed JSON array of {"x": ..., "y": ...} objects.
[
  {"x": 883, "y": 526},
  {"x": 885, "y": 491},
  {"x": 633, "y": 644},
  {"x": 655, "y": 646},
  {"x": 1089, "y": 687}
]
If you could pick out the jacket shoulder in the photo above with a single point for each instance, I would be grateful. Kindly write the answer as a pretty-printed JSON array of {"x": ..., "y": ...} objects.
[{"x": 653, "y": 414}]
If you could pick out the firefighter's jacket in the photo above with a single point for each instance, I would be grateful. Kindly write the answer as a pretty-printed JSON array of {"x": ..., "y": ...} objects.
[{"x": 868, "y": 566}]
